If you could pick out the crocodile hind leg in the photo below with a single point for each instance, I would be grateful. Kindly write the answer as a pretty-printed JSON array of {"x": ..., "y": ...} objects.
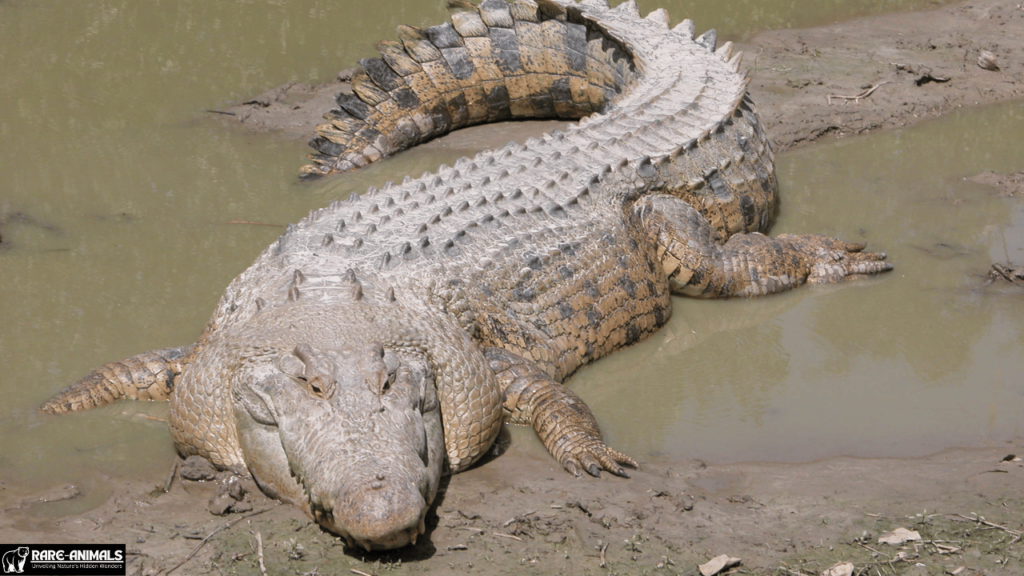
[
  {"x": 562, "y": 420},
  {"x": 699, "y": 264},
  {"x": 146, "y": 376}
]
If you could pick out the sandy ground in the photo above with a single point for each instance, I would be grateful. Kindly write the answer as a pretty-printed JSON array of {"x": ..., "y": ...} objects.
[{"x": 520, "y": 514}]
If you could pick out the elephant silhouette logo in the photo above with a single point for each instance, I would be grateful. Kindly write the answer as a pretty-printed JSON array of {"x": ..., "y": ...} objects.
[{"x": 14, "y": 560}]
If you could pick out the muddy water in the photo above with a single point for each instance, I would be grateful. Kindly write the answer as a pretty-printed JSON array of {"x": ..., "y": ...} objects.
[
  {"x": 124, "y": 211},
  {"x": 908, "y": 363}
]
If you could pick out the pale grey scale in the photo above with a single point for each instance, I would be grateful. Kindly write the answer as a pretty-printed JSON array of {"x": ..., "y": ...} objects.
[{"x": 634, "y": 34}]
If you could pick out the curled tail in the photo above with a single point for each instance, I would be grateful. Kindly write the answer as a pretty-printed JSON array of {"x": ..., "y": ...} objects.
[
  {"x": 501, "y": 60},
  {"x": 147, "y": 376}
]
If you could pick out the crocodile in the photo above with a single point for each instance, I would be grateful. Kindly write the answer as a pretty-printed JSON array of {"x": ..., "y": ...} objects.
[{"x": 383, "y": 341}]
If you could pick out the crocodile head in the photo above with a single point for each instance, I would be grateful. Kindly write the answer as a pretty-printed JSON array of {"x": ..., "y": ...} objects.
[{"x": 353, "y": 437}]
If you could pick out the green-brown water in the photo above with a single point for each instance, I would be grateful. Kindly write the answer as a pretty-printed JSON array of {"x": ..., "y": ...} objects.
[{"x": 116, "y": 193}]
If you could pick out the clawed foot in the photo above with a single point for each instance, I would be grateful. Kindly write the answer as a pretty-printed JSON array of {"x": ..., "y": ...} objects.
[
  {"x": 832, "y": 260},
  {"x": 569, "y": 431},
  {"x": 593, "y": 456}
]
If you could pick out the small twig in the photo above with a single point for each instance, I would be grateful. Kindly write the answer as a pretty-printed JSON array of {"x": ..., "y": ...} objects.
[
  {"x": 259, "y": 552},
  {"x": 857, "y": 97},
  {"x": 507, "y": 536},
  {"x": 220, "y": 112},
  {"x": 359, "y": 572},
  {"x": 603, "y": 562},
  {"x": 981, "y": 520},
  {"x": 875, "y": 551},
  {"x": 470, "y": 528},
  {"x": 170, "y": 477},
  {"x": 224, "y": 527}
]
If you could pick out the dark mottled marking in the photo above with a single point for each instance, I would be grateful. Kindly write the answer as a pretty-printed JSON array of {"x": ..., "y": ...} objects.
[
  {"x": 444, "y": 36},
  {"x": 442, "y": 119},
  {"x": 325, "y": 146},
  {"x": 628, "y": 286},
  {"x": 566, "y": 309},
  {"x": 576, "y": 46},
  {"x": 544, "y": 105},
  {"x": 661, "y": 315},
  {"x": 749, "y": 211},
  {"x": 594, "y": 318},
  {"x": 566, "y": 272},
  {"x": 459, "y": 110},
  {"x": 369, "y": 134},
  {"x": 381, "y": 74},
  {"x": 406, "y": 98},
  {"x": 744, "y": 144},
  {"x": 567, "y": 249},
  {"x": 718, "y": 186},
  {"x": 520, "y": 294},
  {"x": 560, "y": 91},
  {"x": 498, "y": 104},
  {"x": 459, "y": 61},
  {"x": 507, "y": 44},
  {"x": 353, "y": 105}
]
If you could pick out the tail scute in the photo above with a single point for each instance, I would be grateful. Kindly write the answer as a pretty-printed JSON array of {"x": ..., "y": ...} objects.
[{"x": 147, "y": 376}]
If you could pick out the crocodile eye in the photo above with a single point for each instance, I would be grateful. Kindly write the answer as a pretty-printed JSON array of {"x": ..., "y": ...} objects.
[{"x": 319, "y": 387}]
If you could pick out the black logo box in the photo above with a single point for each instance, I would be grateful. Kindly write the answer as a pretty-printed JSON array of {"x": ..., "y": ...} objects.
[{"x": 63, "y": 559}]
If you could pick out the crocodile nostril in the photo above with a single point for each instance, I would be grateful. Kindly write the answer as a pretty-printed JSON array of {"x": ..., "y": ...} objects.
[{"x": 378, "y": 482}]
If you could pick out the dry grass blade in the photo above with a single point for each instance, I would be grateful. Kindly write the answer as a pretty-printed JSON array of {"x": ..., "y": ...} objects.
[{"x": 856, "y": 97}]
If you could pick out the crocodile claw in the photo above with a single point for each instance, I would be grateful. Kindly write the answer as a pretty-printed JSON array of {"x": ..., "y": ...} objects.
[{"x": 594, "y": 456}]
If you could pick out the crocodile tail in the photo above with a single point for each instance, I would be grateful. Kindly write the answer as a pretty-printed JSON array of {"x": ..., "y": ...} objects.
[
  {"x": 492, "y": 62},
  {"x": 147, "y": 376}
]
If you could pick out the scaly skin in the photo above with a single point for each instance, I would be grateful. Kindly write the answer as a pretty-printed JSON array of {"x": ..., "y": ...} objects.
[{"x": 330, "y": 366}]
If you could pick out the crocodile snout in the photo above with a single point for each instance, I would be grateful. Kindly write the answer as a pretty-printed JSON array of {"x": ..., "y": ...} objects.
[{"x": 380, "y": 515}]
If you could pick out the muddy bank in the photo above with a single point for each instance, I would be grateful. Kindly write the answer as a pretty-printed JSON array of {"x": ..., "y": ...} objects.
[
  {"x": 848, "y": 78},
  {"x": 884, "y": 71},
  {"x": 518, "y": 514}
]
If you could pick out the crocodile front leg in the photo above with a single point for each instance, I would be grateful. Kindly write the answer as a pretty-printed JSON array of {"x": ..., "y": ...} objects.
[
  {"x": 562, "y": 420},
  {"x": 697, "y": 263}
]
